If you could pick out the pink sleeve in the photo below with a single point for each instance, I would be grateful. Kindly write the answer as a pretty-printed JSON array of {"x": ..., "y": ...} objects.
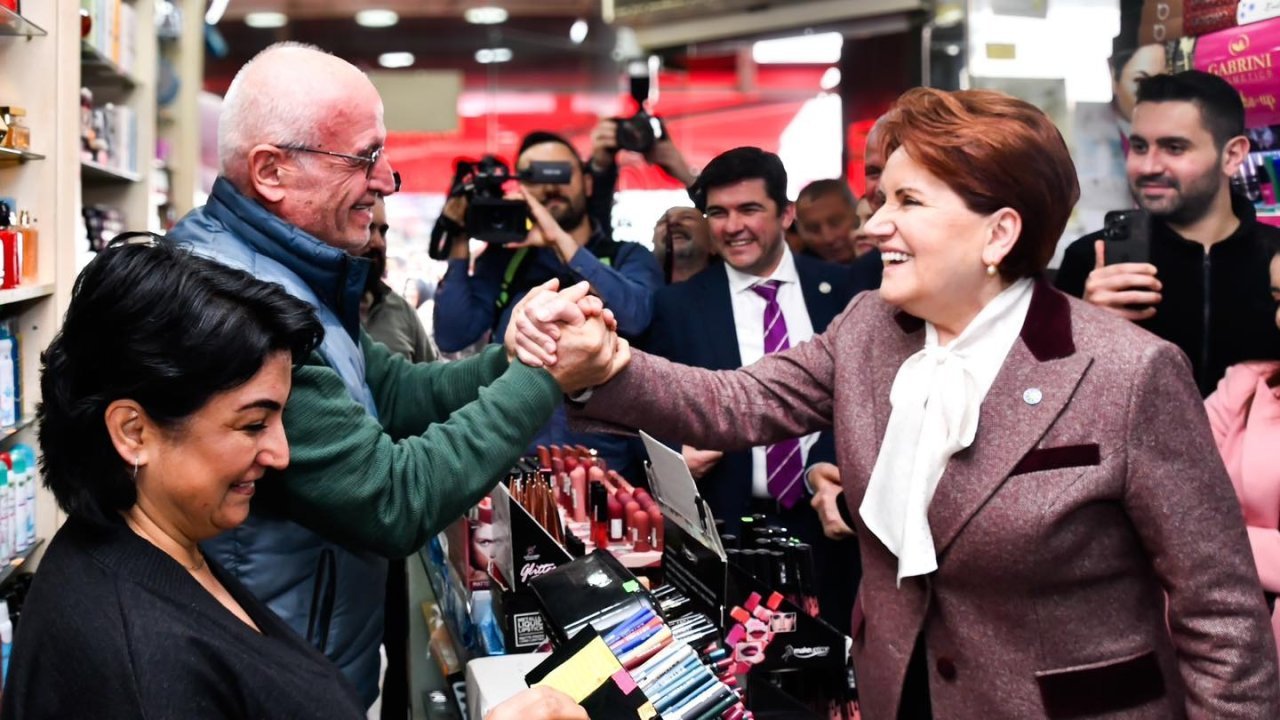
[{"x": 1228, "y": 404}]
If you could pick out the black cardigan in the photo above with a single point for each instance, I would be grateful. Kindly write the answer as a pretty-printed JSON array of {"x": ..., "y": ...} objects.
[{"x": 115, "y": 628}]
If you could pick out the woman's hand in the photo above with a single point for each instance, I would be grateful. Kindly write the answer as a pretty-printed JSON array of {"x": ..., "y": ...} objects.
[{"x": 538, "y": 703}]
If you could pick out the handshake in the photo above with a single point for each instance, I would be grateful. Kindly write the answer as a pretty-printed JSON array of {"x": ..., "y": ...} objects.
[{"x": 568, "y": 332}]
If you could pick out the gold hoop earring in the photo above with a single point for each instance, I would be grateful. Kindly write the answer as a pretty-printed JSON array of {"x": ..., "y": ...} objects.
[{"x": 991, "y": 271}]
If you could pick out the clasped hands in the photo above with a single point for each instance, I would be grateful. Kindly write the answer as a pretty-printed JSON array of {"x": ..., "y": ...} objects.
[{"x": 568, "y": 332}]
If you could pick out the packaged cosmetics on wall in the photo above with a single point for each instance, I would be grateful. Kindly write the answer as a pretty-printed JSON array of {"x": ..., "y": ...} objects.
[
  {"x": 108, "y": 134},
  {"x": 110, "y": 27},
  {"x": 14, "y": 133},
  {"x": 101, "y": 223},
  {"x": 17, "y": 501}
]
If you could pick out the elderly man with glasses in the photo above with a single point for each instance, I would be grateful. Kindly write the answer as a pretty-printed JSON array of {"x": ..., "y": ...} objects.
[{"x": 384, "y": 452}]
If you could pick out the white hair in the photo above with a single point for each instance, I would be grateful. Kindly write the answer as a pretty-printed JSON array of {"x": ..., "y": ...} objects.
[{"x": 272, "y": 100}]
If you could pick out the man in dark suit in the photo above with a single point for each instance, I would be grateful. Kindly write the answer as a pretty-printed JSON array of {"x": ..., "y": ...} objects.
[{"x": 762, "y": 298}]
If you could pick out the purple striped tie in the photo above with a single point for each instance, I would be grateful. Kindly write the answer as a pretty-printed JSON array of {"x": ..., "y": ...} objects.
[{"x": 782, "y": 460}]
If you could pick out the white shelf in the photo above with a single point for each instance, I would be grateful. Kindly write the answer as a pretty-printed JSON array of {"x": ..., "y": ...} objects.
[
  {"x": 94, "y": 171},
  {"x": 23, "y": 293}
]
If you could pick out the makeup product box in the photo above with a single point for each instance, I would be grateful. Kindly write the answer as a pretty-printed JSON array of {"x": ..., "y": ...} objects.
[
  {"x": 1248, "y": 58},
  {"x": 595, "y": 590},
  {"x": 1161, "y": 21}
]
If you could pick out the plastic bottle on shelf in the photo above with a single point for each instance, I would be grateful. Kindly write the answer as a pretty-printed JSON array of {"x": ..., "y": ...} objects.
[
  {"x": 29, "y": 533},
  {"x": 8, "y": 388},
  {"x": 22, "y": 517},
  {"x": 6, "y": 640},
  {"x": 6, "y": 516}
]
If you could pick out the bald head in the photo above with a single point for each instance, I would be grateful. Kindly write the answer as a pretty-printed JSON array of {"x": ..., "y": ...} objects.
[{"x": 287, "y": 95}]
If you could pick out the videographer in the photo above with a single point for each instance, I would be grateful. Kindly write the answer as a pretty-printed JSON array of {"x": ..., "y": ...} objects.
[
  {"x": 624, "y": 275},
  {"x": 613, "y": 134}
]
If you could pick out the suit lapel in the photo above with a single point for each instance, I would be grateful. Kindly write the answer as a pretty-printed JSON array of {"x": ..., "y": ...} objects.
[
  {"x": 818, "y": 303},
  {"x": 718, "y": 322},
  {"x": 1038, "y": 378},
  {"x": 1008, "y": 428}
]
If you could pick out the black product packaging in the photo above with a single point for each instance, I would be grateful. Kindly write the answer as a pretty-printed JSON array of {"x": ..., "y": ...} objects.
[
  {"x": 595, "y": 590},
  {"x": 522, "y": 551}
]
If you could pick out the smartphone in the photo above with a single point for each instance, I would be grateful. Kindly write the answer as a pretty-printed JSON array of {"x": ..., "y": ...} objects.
[{"x": 1128, "y": 236}]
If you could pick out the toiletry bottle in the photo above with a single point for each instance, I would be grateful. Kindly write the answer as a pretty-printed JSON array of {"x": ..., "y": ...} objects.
[
  {"x": 22, "y": 507},
  {"x": 6, "y": 641},
  {"x": 8, "y": 390},
  {"x": 8, "y": 244},
  {"x": 30, "y": 247},
  {"x": 30, "y": 456},
  {"x": 6, "y": 515}
]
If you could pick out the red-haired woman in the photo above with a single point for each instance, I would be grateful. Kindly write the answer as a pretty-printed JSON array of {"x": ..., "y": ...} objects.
[{"x": 1032, "y": 477}]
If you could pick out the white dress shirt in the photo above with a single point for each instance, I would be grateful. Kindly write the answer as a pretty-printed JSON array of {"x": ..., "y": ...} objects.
[{"x": 748, "y": 321}]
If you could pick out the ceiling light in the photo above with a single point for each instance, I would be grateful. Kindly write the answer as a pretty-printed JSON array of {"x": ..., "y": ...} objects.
[
  {"x": 578, "y": 33},
  {"x": 266, "y": 19},
  {"x": 377, "y": 18},
  {"x": 488, "y": 15},
  {"x": 395, "y": 59},
  {"x": 215, "y": 11},
  {"x": 486, "y": 56},
  {"x": 812, "y": 49}
]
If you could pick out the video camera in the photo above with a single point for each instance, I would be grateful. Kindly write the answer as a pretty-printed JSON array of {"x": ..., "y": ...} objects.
[
  {"x": 639, "y": 132},
  {"x": 490, "y": 216}
]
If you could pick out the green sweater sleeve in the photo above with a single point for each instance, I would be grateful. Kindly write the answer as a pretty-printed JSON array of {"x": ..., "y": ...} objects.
[
  {"x": 357, "y": 484},
  {"x": 409, "y": 396}
]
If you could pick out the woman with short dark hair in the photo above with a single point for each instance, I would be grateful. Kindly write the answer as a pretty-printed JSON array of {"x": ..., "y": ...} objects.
[
  {"x": 1045, "y": 527},
  {"x": 160, "y": 409}
]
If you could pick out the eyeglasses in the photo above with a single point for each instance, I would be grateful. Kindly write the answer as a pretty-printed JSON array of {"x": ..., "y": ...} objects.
[{"x": 369, "y": 161}]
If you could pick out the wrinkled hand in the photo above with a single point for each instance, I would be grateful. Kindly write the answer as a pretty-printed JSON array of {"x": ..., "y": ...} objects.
[
  {"x": 588, "y": 354},
  {"x": 700, "y": 462},
  {"x": 667, "y": 156},
  {"x": 824, "y": 478},
  {"x": 1119, "y": 288},
  {"x": 533, "y": 340},
  {"x": 538, "y": 703},
  {"x": 604, "y": 143}
]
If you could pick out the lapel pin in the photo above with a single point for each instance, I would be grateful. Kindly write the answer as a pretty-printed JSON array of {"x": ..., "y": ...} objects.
[
  {"x": 1032, "y": 396},
  {"x": 824, "y": 287}
]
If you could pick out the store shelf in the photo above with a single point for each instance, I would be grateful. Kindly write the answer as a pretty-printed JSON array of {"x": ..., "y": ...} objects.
[
  {"x": 23, "y": 293},
  {"x": 9, "y": 156},
  {"x": 9, "y": 431},
  {"x": 99, "y": 69},
  {"x": 11, "y": 23},
  {"x": 16, "y": 561},
  {"x": 94, "y": 171}
]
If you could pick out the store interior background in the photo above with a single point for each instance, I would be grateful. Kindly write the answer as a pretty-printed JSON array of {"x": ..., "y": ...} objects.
[{"x": 803, "y": 78}]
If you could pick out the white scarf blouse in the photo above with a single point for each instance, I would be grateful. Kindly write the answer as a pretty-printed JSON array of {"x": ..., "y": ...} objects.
[{"x": 936, "y": 400}]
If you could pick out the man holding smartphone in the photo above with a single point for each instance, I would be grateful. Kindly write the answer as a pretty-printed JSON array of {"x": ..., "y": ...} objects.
[
  {"x": 1205, "y": 287},
  {"x": 625, "y": 276}
]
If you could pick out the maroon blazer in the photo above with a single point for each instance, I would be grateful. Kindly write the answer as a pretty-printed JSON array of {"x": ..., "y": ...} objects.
[{"x": 1092, "y": 492}]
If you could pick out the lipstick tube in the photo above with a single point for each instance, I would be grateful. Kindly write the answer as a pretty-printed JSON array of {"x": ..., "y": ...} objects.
[
  {"x": 641, "y": 532},
  {"x": 655, "y": 522},
  {"x": 615, "y": 520},
  {"x": 578, "y": 478}
]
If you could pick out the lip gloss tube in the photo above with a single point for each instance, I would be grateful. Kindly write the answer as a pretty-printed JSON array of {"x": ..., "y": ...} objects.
[
  {"x": 544, "y": 457},
  {"x": 599, "y": 516}
]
